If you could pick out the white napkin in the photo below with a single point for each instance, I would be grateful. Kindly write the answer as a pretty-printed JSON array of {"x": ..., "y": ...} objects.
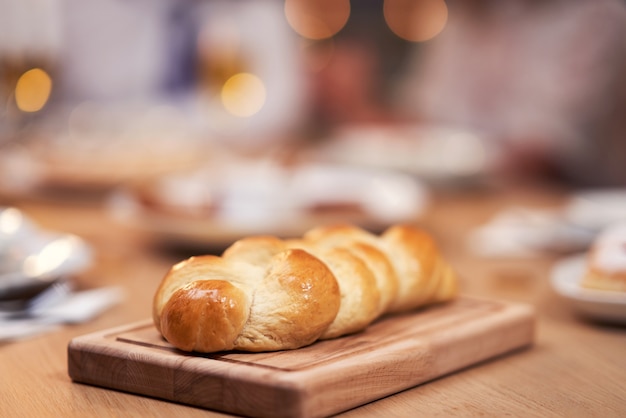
[{"x": 55, "y": 308}]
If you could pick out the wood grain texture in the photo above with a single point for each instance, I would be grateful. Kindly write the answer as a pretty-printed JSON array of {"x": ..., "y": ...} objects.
[{"x": 395, "y": 353}]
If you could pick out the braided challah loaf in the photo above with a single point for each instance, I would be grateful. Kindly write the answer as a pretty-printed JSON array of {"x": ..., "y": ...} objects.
[{"x": 267, "y": 294}]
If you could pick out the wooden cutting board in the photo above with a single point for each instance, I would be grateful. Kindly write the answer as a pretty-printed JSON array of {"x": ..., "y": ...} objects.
[{"x": 393, "y": 354}]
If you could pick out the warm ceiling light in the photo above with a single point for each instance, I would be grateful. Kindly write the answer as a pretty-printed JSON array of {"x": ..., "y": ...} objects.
[
  {"x": 243, "y": 95},
  {"x": 33, "y": 90},
  {"x": 317, "y": 19},
  {"x": 416, "y": 20}
]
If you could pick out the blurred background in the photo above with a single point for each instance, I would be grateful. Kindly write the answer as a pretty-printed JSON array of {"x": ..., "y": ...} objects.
[
  {"x": 526, "y": 85},
  {"x": 137, "y": 133},
  {"x": 204, "y": 106}
]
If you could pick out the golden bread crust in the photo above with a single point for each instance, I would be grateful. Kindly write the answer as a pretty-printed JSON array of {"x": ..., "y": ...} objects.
[
  {"x": 297, "y": 301},
  {"x": 264, "y": 293},
  {"x": 205, "y": 316}
]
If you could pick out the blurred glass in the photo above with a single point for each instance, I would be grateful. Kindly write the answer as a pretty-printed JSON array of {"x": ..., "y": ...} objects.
[
  {"x": 30, "y": 40},
  {"x": 250, "y": 87}
]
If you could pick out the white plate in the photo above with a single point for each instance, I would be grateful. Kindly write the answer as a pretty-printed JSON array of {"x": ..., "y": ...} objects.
[
  {"x": 597, "y": 209},
  {"x": 601, "y": 305}
]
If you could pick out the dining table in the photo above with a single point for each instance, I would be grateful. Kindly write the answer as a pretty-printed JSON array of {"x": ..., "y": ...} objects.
[{"x": 575, "y": 366}]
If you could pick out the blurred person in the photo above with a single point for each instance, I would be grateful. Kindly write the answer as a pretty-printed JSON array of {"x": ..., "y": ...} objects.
[
  {"x": 545, "y": 79},
  {"x": 361, "y": 64}
]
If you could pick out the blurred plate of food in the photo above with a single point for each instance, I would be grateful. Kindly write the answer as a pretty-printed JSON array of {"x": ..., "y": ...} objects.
[
  {"x": 440, "y": 155},
  {"x": 220, "y": 203},
  {"x": 604, "y": 305}
]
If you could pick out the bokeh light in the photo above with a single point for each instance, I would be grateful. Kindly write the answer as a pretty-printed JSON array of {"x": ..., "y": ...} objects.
[
  {"x": 33, "y": 90},
  {"x": 317, "y": 19},
  {"x": 416, "y": 20},
  {"x": 243, "y": 94}
]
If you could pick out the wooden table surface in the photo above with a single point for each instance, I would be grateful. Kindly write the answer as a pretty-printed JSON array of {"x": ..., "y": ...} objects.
[{"x": 575, "y": 368}]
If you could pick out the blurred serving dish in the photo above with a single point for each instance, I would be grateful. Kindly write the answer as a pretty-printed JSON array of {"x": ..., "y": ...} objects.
[
  {"x": 223, "y": 202},
  {"x": 438, "y": 154},
  {"x": 98, "y": 147}
]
